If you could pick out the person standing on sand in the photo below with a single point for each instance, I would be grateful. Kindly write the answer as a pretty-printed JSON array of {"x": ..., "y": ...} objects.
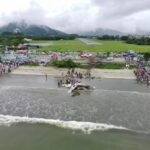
[{"x": 46, "y": 76}]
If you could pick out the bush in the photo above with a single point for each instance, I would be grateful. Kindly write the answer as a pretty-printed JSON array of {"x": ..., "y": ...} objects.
[
  {"x": 132, "y": 66},
  {"x": 69, "y": 63},
  {"x": 33, "y": 64},
  {"x": 110, "y": 66}
]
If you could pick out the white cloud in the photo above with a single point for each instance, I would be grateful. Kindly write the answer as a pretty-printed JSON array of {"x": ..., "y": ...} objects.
[{"x": 79, "y": 15}]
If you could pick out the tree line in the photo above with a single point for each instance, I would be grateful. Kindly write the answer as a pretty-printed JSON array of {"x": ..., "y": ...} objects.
[
  {"x": 138, "y": 41},
  {"x": 52, "y": 38},
  {"x": 127, "y": 39},
  {"x": 14, "y": 39}
]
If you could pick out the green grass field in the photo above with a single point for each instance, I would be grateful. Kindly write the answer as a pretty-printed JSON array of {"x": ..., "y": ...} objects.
[{"x": 104, "y": 46}]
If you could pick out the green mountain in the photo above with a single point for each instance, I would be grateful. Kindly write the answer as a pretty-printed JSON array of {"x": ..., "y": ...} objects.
[
  {"x": 32, "y": 30},
  {"x": 101, "y": 32}
]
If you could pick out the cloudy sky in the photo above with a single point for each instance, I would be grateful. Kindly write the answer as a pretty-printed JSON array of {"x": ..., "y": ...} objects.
[{"x": 73, "y": 16}]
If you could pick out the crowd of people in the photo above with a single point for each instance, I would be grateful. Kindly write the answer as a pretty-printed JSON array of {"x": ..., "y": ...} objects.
[
  {"x": 7, "y": 67},
  {"x": 72, "y": 77},
  {"x": 142, "y": 73}
]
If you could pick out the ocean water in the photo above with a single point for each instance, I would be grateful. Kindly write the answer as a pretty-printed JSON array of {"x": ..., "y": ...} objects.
[{"x": 35, "y": 114}]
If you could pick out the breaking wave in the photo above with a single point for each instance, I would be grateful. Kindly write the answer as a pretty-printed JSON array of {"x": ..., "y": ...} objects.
[{"x": 87, "y": 127}]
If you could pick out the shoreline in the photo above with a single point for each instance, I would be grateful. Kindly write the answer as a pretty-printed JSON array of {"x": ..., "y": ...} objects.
[{"x": 56, "y": 72}]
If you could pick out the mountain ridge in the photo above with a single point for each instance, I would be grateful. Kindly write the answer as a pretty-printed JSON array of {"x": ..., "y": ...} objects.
[
  {"x": 101, "y": 32},
  {"x": 32, "y": 30},
  {"x": 43, "y": 30}
]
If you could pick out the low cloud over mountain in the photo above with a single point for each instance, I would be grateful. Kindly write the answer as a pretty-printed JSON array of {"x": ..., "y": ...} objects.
[{"x": 75, "y": 16}]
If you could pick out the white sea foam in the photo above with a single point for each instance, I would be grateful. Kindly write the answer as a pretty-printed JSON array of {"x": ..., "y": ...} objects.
[
  {"x": 31, "y": 87},
  {"x": 126, "y": 92},
  {"x": 48, "y": 88},
  {"x": 87, "y": 127}
]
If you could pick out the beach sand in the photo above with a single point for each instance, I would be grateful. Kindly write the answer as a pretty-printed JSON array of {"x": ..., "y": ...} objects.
[{"x": 98, "y": 73}]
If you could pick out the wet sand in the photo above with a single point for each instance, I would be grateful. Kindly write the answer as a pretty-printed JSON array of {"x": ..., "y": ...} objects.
[{"x": 98, "y": 73}]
